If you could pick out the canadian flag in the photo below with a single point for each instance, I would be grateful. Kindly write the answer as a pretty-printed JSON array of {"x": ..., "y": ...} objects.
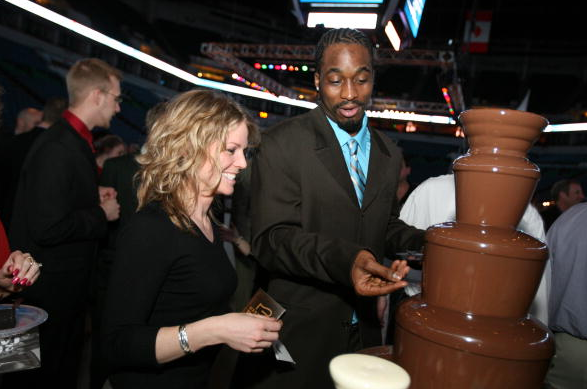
[{"x": 476, "y": 39}]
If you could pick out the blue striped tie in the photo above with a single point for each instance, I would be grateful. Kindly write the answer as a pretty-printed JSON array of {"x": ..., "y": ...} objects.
[
  {"x": 358, "y": 179},
  {"x": 357, "y": 175}
]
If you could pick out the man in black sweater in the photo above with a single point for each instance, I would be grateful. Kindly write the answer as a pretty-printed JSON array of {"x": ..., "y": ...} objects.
[{"x": 60, "y": 213}]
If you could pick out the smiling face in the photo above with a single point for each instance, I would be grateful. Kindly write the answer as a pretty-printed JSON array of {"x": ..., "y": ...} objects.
[
  {"x": 231, "y": 161},
  {"x": 345, "y": 84}
]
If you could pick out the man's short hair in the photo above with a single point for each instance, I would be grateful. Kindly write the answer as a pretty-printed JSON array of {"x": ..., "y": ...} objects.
[
  {"x": 53, "y": 109},
  {"x": 88, "y": 74},
  {"x": 562, "y": 186},
  {"x": 347, "y": 36}
]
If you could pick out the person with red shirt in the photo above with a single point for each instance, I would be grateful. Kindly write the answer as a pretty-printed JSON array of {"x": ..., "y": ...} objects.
[{"x": 59, "y": 216}]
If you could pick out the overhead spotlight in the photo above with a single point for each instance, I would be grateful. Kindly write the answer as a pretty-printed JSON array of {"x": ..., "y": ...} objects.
[{"x": 393, "y": 36}]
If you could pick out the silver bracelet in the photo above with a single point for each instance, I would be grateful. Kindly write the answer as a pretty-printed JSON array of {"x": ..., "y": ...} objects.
[{"x": 182, "y": 335}]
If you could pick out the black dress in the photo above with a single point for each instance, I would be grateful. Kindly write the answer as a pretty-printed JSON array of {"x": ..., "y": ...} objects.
[{"x": 161, "y": 277}]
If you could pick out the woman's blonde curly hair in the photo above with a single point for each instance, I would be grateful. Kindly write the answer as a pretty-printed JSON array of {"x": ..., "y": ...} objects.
[{"x": 177, "y": 148}]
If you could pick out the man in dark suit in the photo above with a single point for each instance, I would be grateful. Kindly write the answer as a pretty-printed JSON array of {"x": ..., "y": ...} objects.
[
  {"x": 60, "y": 213},
  {"x": 15, "y": 151},
  {"x": 324, "y": 215}
]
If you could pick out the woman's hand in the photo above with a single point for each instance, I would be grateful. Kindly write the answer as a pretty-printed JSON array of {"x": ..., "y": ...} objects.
[
  {"x": 247, "y": 332},
  {"x": 19, "y": 271},
  {"x": 240, "y": 331}
]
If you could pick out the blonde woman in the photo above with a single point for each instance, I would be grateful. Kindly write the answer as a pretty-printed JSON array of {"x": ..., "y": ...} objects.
[{"x": 167, "y": 305}]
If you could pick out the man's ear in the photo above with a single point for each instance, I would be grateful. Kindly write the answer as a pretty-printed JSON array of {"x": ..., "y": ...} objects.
[
  {"x": 317, "y": 81},
  {"x": 96, "y": 96}
]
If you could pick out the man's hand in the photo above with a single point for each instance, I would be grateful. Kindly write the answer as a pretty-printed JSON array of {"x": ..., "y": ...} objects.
[
  {"x": 111, "y": 209},
  {"x": 106, "y": 193},
  {"x": 373, "y": 279}
]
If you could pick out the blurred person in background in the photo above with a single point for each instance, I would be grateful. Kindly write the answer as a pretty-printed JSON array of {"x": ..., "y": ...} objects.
[
  {"x": 565, "y": 194},
  {"x": 27, "y": 119},
  {"x": 108, "y": 146},
  {"x": 17, "y": 269},
  {"x": 567, "y": 309},
  {"x": 15, "y": 151}
]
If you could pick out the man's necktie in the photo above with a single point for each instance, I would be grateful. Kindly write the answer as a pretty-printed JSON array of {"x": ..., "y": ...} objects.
[
  {"x": 357, "y": 175},
  {"x": 358, "y": 179}
]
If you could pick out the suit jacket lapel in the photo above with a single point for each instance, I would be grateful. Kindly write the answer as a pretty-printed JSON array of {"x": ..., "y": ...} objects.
[
  {"x": 79, "y": 144},
  {"x": 378, "y": 168},
  {"x": 329, "y": 153}
]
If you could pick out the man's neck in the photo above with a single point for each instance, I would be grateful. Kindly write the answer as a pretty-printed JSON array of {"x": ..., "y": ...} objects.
[{"x": 83, "y": 115}]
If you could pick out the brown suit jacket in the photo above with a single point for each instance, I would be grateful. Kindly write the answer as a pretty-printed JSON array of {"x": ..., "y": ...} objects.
[{"x": 307, "y": 229}]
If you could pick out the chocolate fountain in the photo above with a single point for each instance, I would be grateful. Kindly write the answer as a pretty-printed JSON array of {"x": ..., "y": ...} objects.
[{"x": 470, "y": 328}]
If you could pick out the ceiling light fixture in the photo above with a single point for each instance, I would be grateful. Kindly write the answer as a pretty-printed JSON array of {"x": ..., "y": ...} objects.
[
  {"x": 415, "y": 117},
  {"x": 344, "y": 5},
  {"x": 157, "y": 63},
  {"x": 393, "y": 36},
  {"x": 367, "y": 21},
  {"x": 148, "y": 59},
  {"x": 571, "y": 127}
]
